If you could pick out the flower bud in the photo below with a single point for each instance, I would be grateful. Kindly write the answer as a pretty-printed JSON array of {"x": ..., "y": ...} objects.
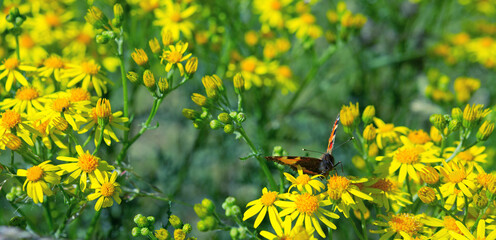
[
  {"x": 101, "y": 39},
  {"x": 179, "y": 234},
  {"x": 485, "y": 131},
  {"x": 239, "y": 83},
  {"x": 234, "y": 233},
  {"x": 141, "y": 221},
  {"x": 210, "y": 222},
  {"x": 200, "y": 210},
  {"x": 480, "y": 200},
  {"x": 60, "y": 123},
  {"x": 190, "y": 114},
  {"x": 430, "y": 176},
  {"x": 358, "y": 161},
  {"x": 167, "y": 37},
  {"x": 103, "y": 110},
  {"x": 456, "y": 113},
  {"x": 149, "y": 79},
  {"x": 373, "y": 150},
  {"x": 151, "y": 220},
  {"x": 12, "y": 141},
  {"x": 175, "y": 221},
  {"x": 368, "y": 114},
  {"x": 454, "y": 125},
  {"x": 229, "y": 202},
  {"x": 132, "y": 76},
  {"x": 118, "y": 13},
  {"x": 369, "y": 133},
  {"x": 139, "y": 56},
  {"x": 427, "y": 195},
  {"x": 162, "y": 234},
  {"x": 199, "y": 99},
  {"x": 208, "y": 204},
  {"x": 191, "y": 66},
  {"x": 163, "y": 84},
  {"x": 224, "y": 117},
  {"x": 154, "y": 45},
  {"x": 438, "y": 121},
  {"x": 241, "y": 117},
  {"x": 436, "y": 135},
  {"x": 218, "y": 82},
  {"x": 215, "y": 124},
  {"x": 145, "y": 231},
  {"x": 202, "y": 227},
  {"x": 135, "y": 231},
  {"x": 187, "y": 228},
  {"x": 228, "y": 128}
]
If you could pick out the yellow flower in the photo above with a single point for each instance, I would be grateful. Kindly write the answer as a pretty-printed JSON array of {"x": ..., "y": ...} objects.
[
  {"x": 406, "y": 225},
  {"x": 105, "y": 189},
  {"x": 456, "y": 176},
  {"x": 139, "y": 56},
  {"x": 273, "y": 12},
  {"x": 297, "y": 233},
  {"x": 448, "y": 224},
  {"x": 388, "y": 132},
  {"x": 175, "y": 17},
  {"x": 386, "y": 192},
  {"x": 471, "y": 157},
  {"x": 307, "y": 210},
  {"x": 11, "y": 69},
  {"x": 305, "y": 183},
  {"x": 12, "y": 121},
  {"x": 114, "y": 120},
  {"x": 304, "y": 25},
  {"x": 84, "y": 166},
  {"x": 409, "y": 159},
  {"x": 89, "y": 73},
  {"x": 175, "y": 56},
  {"x": 49, "y": 129},
  {"x": 26, "y": 98},
  {"x": 342, "y": 190},
  {"x": 37, "y": 178},
  {"x": 480, "y": 232},
  {"x": 266, "y": 203},
  {"x": 62, "y": 105},
  {"x": 52, "y": 66},
  {"x": 419, "y": 137}
]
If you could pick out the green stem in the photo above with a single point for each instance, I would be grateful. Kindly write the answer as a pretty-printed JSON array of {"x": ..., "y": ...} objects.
[
  {"x": 459, "y": 147},
  {"x": 448, "y": 212},
  {"x": 481, "y": 212},
  {"x": 261, "y": 161},
  {"x": 94, "y": 221},
  {"x": 124, "y": 94},
  {"x": 310, "y": 75},
  {"x": 357, "y": 232},
  {"x": 88, "y": 139},
  {"x": 440, "y": 195},
  {"x": 364, "y": 226},
  {"x": 18, "y": 50},
  {"x": 12, "y": 158},
  {"x": 409, "y": 190},
  {"x": 48, "y": 216},
  {"x": 61, "y": 228},
  {"x": 466, "y": 209},
  {"x": 100, "y": 140}
]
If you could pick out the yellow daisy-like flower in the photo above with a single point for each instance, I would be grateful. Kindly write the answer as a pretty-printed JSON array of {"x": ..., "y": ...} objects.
[
  {"x": 384, "y": 190},
  {"x": 305, "y": 183},
  {"x": 251, "y": 69},
  {"x": 84, "y": 166},
  {"x": 105, "y": 189},
  {"x": 175, "y": 17},
  {"x": 272, "y": 12},
  {"x": 11, "y": 69},
  {"x": 341, "y": 191},
  {"x": 307, "y": 210},
  {"x": 298, "y": 232},
  {"x": 12, "y": 121},
  {"x": 480, "y": 232},
  {"x": 266, "y": 203},
  {"x": 114, "y": 120},
  {"x": 305, "y": 25},
  {"x": 174, "y": 56},
  {"x": 89, "y": 73},
  {"x": 418, "y": 137},
  {"x": 405, "y": 225},
  {"x": 448, "y": 224},
  {"x": 52, "y": 66},
  {"x": 27, "y": 99},
  {"x": 49, "y": 131},
  {"x": 388, "y": 133},
  {"x": 456, "y": 176},
  {"x": 75, "y": 112},
  {"x": 37, "y": 178},
  {"x": 409, "y": 159},
  {"x": 471, "y": 157}
]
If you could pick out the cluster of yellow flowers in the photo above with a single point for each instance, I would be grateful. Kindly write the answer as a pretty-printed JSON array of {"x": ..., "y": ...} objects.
[
  {"x": 439, "y": 88},
  {"x": 407, "y": 169}
]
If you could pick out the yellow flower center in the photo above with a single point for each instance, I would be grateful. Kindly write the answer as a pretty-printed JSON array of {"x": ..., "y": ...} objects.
[
  {"x": 10, "y": 119},
  {"x": 419, "y": 137},
  {"x": 450, "y": 224},
  {"x": 307, "y": 203},
  {"x": 61, "y": 104},
  {"x": 52, "y": 19},
  {"x": 11, "y": 63},
  {"x": 27, "y": 93},
  {"x": 386, "y": 128},
  {"x": 303, "y": 179},
  {"x": 174, "y": 57},
  {"x": 275, "y": 5},
  {"x": 79, "y": 94},
  {"x": 405, "y": 222},
  {"x": 285, "y": 71},
  {"x": 90, "y": 68},
  {"x": 248, "y": 65},
  {"x": 384, "y": 184},
  {"x": 268, "y": 198},
  {"x": 457, "y": 175},
  {"x": 107, "y": 189},
  {"x": 466, "y": 156},
  {"x": 53, "y": 62},
  {"x": 176, "y": 17},
  {"x": 485, "y": 179},
  {"x": 26, "y": 41},
  {"x": 408, "y": 155},
  {"x": 336, "y": 185},
  {"x": 88, "y": 163},
  {"x": 308, "y": 18},
  {"x": 34, "y": 173}
]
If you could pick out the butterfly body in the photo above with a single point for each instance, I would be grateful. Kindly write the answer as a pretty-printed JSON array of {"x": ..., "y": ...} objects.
[{"x": 311, "y": 165}]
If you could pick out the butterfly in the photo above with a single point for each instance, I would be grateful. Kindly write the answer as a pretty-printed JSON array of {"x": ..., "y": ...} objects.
[{"x": 311, "y": 165}]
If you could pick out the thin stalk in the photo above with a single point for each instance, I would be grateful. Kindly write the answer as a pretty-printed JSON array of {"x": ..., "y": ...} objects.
[
  {"x": 261, "y": 161},
  {"x": 48, "y": 216},
  {"x": 481, "y": 212},
  {"x": 409, "y": 190},
  {"x": 364, "y": 226},
  {"x": 448, "y": 212},
  {"x": 94, "y": 221},
  {"x": 18, "y": 49},
  {"x": 100, "y": 140},
  {"x": 357, "y": 232},
  {"x": 124, "y": 94},
  {"x": 88, "y": 139},
  {"x": 466, "y": 209},
  {"x": 11, "y": 158}
]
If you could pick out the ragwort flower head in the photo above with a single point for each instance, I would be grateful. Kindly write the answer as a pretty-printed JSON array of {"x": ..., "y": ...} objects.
[
  {"x": 456, "y": 176},
  {"x": 37, "y": 178},
  {"x": 472, "y": 157},
  {"x": 115, "y": 120},
  {"x": 85, "y": 166},
  {"x": 11, "y": 68},
  {"x": 105, "y": 189},
  {"x": 267, "y": 203},
  {"x": 342, "y": 190},
  {"x": 296, "y": 233},
  {"x": 272, "y": 13},
  {"x": 388, "y": 133},
  {"x": 27, "y": 99},
  {"x": 12, "y": 121},
  {"x": 176, "y": 18},
  {"x": 305, "y": 183},
  {"x": 479, "y": 234},
  {"x": 174, "y": 56},
  {"x": 385, "y": 193},
  {"x": 52, "y": 66},
  {"x": 404, "y": 225},
  {"x": 89, "y": 73}
]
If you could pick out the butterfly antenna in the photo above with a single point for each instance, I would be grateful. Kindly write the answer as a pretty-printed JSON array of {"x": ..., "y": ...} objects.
[
  {"x": 340, "y": 145},
  {"x": 308, "y": 150}
]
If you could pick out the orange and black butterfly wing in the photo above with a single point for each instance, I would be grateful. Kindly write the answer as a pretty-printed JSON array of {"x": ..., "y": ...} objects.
[
  {"x": 309, "y": 165},
  {"x": 332, "y": 138}
]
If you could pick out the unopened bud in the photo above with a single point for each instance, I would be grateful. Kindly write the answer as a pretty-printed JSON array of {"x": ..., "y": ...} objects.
[
  {"x": 175, "y": 221},
  {"x": 368, "y": 114},
  {"x": 239, "y": 83},
  {"x": 228, "y": 128},
  {"x": 454, "y": 125},
  {"x": 167, "y": 37},
  {"x": 224, "y": 117},
  {"x": 199, "y": 99},
  {"x": 149, "y": 79},
  {"x": 190, "y": 113},
  {"x": 485, "y": 131},
  {"x": 480, "y": 200},
  {"x": 241, "y": 117},
  {"x": 214, "y": 124},
  {"x": 438, "y": 121},
  {"x": 118, "y": 15},
  {"x": 154, "y": 45},
  {"x": 369, "y": 133},
  {"x": 427, "y": 195},
  {"x": 191, "y": 65},
  {"x": 132, "y": 76},
  {"x": 456, "y": 113}
]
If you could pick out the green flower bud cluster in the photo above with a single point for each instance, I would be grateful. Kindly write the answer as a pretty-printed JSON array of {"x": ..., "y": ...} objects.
[
  {"x": 206, "y": 212},
  {"x": 238, "y": 233},
  {"x": 17, "y": 19},
  {"x": 14, "y": 193},
  {"x": 230, "y": 206},
  {"x": 144, "y": 225}
]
